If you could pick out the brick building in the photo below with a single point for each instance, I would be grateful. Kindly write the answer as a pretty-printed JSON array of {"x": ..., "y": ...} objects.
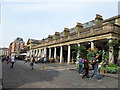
[{"x": 16, "y": 46}]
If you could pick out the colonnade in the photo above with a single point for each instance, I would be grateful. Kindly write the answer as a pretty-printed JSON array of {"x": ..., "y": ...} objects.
[{"x": 42, "y": 52}]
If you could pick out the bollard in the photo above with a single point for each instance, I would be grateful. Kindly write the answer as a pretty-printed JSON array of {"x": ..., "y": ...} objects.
[{"x": 43, "y": 67}]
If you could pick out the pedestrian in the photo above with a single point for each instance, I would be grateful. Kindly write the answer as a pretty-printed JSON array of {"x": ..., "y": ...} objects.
[
  {"x": 36, "y": 60},
  {"x": 86, "y": 68},
  {"x": 3, "y": 58},
  {"x": 8, "y": 59},
  {"x": 95, "y": 62},
  {"x": 80, "y": 66},
  {"x": 26, "y": 59},
  {"x": 45, "y": 60},
  {"x": 32, "y": 62},
  {"x": 12, "y": 61}
]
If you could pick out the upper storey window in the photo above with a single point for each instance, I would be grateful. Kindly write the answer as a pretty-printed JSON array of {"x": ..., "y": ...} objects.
[{"x": 89, "y": 24}]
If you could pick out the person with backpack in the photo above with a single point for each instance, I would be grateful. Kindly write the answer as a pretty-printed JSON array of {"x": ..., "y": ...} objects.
[
  {"x": 80, "y": 66},
  {"x": 96, "y": 63}
]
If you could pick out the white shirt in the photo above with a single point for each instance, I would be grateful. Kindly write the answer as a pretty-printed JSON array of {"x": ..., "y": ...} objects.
[{"x": 12, "y": 59}]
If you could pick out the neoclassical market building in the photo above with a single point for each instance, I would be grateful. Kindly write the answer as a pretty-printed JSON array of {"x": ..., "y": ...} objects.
[{"x": 93, "y": 34}]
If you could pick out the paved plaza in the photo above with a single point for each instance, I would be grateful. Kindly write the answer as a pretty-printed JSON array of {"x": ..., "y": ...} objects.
[{"x": 54, "y": 76}]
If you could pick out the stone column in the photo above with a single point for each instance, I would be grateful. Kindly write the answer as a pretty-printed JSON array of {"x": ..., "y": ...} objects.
[
  {"x": 30, "y": 53},
  {"x": 49, "y": 53},
  {"x": 92, "y": 45},
  {"x": 118, "y": 61},
  {"x": 61, "y": 54},
  {"x": 55, "y": 53},
  {"x": 41, "y": 53},
  {"x": 111, "y": 56},
  {"x": 68, "y": 61},
  {"x": 78, "y": 51},
  {"x": 45, "y": 52}
]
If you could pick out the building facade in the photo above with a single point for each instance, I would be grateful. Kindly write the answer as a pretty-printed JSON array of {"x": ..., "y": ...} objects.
[
  {"x": 93, "y": 34},
  {"x": 3, "y": 51},
  {"x": 16, "y": 46}
]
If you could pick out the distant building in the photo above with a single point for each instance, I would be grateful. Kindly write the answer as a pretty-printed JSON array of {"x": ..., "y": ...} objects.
[
  {"x": 3, "y": 51},
  {"x": 16, "y": 46}
]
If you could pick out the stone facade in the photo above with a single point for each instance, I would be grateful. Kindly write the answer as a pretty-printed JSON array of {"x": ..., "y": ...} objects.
[{"x": 95, "y": 32}]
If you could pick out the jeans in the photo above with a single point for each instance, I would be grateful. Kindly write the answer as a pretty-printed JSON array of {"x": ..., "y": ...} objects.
[
  {"x": 80, "y": 69},
  {"x": 86, "y": 73},
  {"x": 12, "y": 64},
  {"x": 96, "y": 72}
]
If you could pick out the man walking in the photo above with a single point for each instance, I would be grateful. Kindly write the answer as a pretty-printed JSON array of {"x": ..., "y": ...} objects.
[
  {"x": 12, "y": 61},
  {"x": 96, "y": 62}
]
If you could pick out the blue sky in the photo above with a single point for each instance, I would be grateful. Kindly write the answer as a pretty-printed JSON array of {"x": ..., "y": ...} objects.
[{"x": 38, "y": 19}]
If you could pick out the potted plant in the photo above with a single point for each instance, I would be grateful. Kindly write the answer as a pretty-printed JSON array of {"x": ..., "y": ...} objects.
[
  {"x": 102, "y": 69},
  {"x": 112, "y": 68}
]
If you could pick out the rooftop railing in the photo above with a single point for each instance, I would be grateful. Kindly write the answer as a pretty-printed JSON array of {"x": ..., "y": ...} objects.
[{"x": 96, "y": 30}]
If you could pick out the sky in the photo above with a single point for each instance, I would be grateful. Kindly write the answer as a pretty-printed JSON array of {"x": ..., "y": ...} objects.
[{"x": 36, "y": 19}]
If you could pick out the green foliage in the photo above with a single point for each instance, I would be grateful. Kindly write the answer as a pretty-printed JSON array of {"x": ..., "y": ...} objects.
[
  {"x": 112, "y": 68},
  {"x": 114, "y": 43},
  {"x": 92, "y": 52},
  {"x": 81, "y": 50}
]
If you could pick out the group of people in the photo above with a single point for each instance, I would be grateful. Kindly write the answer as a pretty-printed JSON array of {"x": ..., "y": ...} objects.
[
  {"x": 33, "y": 60},
  {"x": 9, "y": 60},
  {"x": 84, "y": 66}
]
